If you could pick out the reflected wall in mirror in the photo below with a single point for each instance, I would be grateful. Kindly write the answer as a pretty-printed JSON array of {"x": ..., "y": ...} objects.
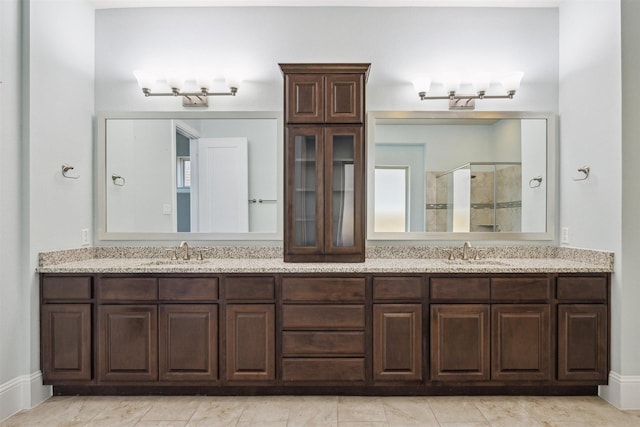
[
  {"x": 214, "y": 176},
  {"x": 472, "y": 175}
]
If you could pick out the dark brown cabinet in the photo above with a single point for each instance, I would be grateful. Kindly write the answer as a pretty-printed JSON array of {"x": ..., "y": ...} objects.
[
  {"x": 66, "y": 329},
  {"x": 324, "y": 162},
  {"x": 521, "y": 342},
  {"x": 323, "y": 322},
  {"x": 66, "y": 340},
  {"x": 314, "y": 332},
  {"x": 460, "y": 342},
  {"x": 188, "y": 342},
  {"x": 128, "y": 343},
  {"x": 397, "y": 342},
  {"x": 583, "y": 329},
  {"x": 250, "y": 346}
]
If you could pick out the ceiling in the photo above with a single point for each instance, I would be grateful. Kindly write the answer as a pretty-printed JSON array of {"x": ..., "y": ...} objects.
[{"x": 110, "y": 4}]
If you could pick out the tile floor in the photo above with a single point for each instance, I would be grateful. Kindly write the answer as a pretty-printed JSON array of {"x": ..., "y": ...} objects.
[{"x": 324, "y": 411}]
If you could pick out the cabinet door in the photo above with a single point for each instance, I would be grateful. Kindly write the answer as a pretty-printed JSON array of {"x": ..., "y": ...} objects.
[
  {"x": 397, "y": 342},
  {"x": 521, "y": 342},
  {"x": 66, "y": 342},
  {"x": 460, "y": 342},
  {"x": 344, "y": 192},
  {"x": 305, "y": 98},
  {"x": 304, "y": 203},
  {"x": 250, "y": 347},
  {"x": 128, "y": 346},
  {"x": 344, "y": 98},
  {"x": 188, "y": 338},
  {"x": 583, "y": 342}
]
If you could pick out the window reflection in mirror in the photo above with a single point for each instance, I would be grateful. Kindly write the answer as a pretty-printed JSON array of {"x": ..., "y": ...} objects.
[
  {"x": 217, "y": 176},
  {"x": 467, "y": 174}
]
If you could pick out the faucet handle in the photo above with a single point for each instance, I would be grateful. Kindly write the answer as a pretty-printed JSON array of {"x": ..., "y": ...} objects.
[
  {"x": 477, "y": 256},
  {"x": 173, "y": 253},
  {"x": 452, "y": 255}
]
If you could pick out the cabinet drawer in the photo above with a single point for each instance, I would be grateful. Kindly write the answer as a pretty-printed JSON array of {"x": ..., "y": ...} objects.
[
  {"x": 520, "y": 289},
  {"x": 128, "y": 289},
  {"x": 474, "y": 289},
  {"x": 317, "y": 369},
  {"x": 582, "y": 289},
  {"x": 66, "y": 288},
  {"x": 322, "y": 343},
  {"x": 323, "y": 289},
  {"x": 323, "y": 316},
  {"x": 250, "y": 288},
  {"x": 397, "y": 288},
  {"x": 188, "y": 289}
]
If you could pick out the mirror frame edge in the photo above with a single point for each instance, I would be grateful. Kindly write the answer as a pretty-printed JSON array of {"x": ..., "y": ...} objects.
[
  {"x": 101, "y": 179},
  {"x": 548, "y": 236}
]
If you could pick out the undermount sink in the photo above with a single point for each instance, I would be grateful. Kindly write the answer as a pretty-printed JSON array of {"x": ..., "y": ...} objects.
[
  {"x": 471, "y": 262},
  {"x": 174, "y": 262}
]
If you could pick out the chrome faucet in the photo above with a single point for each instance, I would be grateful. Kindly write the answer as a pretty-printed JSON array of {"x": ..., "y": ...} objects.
[
  {"x": 465, "y": 251},
  {"x": 184, "y": 245}
]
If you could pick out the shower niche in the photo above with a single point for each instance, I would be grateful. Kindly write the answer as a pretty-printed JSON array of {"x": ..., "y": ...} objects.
[{"x": 476, "y": 197}]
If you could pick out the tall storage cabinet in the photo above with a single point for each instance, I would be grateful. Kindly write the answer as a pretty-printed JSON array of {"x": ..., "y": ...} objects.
[{"x": 324, "y": 162}]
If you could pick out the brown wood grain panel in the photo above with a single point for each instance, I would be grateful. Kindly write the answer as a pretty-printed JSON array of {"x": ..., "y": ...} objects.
[
  {"x": 250, "y": 288},
  {"x": 472, "y": 289},
  {"x": 397, "y": 288},
  {"x": 127, "y": 289},
  {"x": 323, "y": 317},
  {"x": 460, "y": 342},
  {"x": 188, "y": 288},
  {"x": 66, "y": 342},
  {"x": 250, "y": 342},
  {"x": 305, "y": 98},
  {"x": 318, "y": 289},
  {"x": 323, "y": 369},
  {"x": 521, "y": 342},
  {"x": 66, "y": 288},
  {"x": 188, "y": 342},
  {"x": 303, "y": 343},
  {"x": 583, "y": 342},
  {"x": 520, "y": 289},
  {"x": 397, "y": 342},
  {"x": 128, "y": 343},
  {"x": 344, "y": 98},
  {"x": 592, "y": 289}
]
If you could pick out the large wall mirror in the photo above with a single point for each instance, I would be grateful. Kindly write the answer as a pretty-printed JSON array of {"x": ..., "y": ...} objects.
[
  {"x": 182, "y": 175},
  {"x": 461, "y": 176}
]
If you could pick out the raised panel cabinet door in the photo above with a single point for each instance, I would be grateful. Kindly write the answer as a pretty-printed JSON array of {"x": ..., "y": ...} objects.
[
  {"x": 66, "y": 342},
  {"x": 460, "y": 342},
  {"x": 583, "y": 342},
  {"x": 128, "y": 343},
  {"x": 188, "y": 342},
  {"x": 250, "y": 342},
  {"x": 344, "y": 98},
  {"x": 397, "y": 342},
  {"x": 521, "y": 342},
  {"x": 304, "y": 201},
  {"x": 304, "y": 98}
]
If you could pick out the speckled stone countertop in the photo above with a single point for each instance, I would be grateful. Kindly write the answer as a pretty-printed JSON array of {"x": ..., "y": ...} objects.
[{"x": 522, "y": 259}]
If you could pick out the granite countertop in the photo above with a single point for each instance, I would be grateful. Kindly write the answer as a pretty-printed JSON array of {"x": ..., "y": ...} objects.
[{"x": 509, "y": 260}]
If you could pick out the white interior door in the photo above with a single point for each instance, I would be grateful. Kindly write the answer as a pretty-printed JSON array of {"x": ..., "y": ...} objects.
[{"x": 223, "y": 189}]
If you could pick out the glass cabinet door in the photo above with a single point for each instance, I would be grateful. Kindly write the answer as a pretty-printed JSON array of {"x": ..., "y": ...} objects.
[
  {"x": 305, "y": 204},
  {"x": 343, "y": 189}
]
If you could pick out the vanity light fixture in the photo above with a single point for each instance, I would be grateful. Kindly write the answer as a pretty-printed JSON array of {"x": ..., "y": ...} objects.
[
  {"x": 479, "y": 85},
  {"x": 175, "y": 82}
]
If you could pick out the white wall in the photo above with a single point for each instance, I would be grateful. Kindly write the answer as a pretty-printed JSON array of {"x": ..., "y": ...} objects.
[
  {"x": 399, "y": 42},
  {"x": 590, "y": 135},
  {"x": 14, "y": 312},
  {"x": 57, "y": 62}
]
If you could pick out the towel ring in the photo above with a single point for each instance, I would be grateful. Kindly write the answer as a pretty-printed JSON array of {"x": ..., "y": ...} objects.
[{"x": 533, "y": 181}]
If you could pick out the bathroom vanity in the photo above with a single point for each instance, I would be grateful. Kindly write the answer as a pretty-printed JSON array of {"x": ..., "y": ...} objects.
[{"x": 385, "y": 326}]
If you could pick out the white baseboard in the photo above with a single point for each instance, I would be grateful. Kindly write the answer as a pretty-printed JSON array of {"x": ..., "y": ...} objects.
[
  {"x": 23, "y": 392},
  {"x": 623, "y": 392}
]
